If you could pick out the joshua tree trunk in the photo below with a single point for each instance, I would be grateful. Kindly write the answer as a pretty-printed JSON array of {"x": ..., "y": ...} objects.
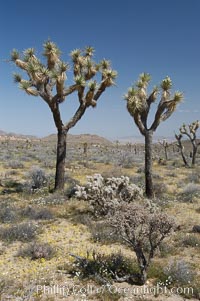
[
  {"x": 194, "y": 152},
  {"x": 183, "y": 157},
  {"x": 166, "y": 154},
  {"x": 60, "y": 163},
  {"x": 148, "y": 163}
]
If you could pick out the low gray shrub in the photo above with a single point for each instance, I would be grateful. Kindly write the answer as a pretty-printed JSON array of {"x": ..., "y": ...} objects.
[
  {"x": 191, "y": 241},
  {"x": 38, "y": 178},
  {"x": 37, "y": 250},
  {"x": 8, "y": 212},
  {"x": 37, "y": 213},
  {"x": 190, "y": 192},
  {"x": 23, "y": 232},
  {"x": 179, "y": 272}
]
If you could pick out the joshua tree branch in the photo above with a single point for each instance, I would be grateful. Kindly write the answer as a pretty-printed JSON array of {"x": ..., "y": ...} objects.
[
  {"x": 139, "y": 123},
  {"x": 48, "y": 90},
  {"x": 151, "y": 99},
  {"x": 77, "y": 116},
  {"x": 56, "y": 115},
  {"x": 163, "y": 113},
  {"x": 81, "y": 94},
  {"x": 100, "y": 90},
  {"x": 70, "y": 90},
  {"x": 189, "y": 135}
]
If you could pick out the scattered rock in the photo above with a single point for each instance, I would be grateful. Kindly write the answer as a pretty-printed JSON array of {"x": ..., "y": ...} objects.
[{"x": 196, "y": 229}]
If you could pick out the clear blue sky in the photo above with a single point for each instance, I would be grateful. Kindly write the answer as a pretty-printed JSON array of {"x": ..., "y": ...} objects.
[{"x": 155, "y": 36}]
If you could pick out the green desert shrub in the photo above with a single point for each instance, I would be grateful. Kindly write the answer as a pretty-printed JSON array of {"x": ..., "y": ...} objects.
[
  {"x": 191, "y": 241},
  {"x": 166, "y": 249},
  {"x": 104, "y": 268}
]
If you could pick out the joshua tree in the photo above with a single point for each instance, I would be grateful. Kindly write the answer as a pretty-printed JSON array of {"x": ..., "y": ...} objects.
[
  {"x": 138, "y": 105},
  {"x": 143, "y": 229},
  {"x": 165, "y": 145},
  {"x": 190, "y": 131},
  {"x": 85, "y": 148},
  {"x": 47, "y": 80},
  {"x": 181, "y": 147}
]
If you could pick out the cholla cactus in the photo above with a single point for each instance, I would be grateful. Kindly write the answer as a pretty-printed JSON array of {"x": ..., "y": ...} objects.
[
  {"x": 105, "y": 194},
  {"x": 143, "y": 229},
  {"x": 49, "y": 82},
  {"x": 139, "y": 104},
  {"x": 190, "y": 131}
]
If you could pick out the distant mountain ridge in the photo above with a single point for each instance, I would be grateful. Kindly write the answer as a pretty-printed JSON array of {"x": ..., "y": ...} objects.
[
  {"x": 72, "y": 139},
  {"x": 81, "y": 138},
  {"x": 4, "y": 135},
  {"x": 89, "y": 138}
]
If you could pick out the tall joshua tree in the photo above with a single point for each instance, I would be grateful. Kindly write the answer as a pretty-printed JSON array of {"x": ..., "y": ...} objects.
[
  {"x": 190, "y": 131},
  {"x": 47, "y": 80},
  {"x": 139, "y": 104}
]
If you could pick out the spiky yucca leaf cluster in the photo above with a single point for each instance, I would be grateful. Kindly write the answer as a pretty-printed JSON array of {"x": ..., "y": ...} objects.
[
  {"x": 139, "y": 101},
  {"x": 134, "y": 104},
  {"x": 84, "y": 66},
  {"x": 42, "y": 78},
  {"x": 27, "y": 87},
  {"x": 104, "y": 64},
  {"x": 166, "y": 84},
  {"x": 14, "y": 55},
  {"x": 52, "y": 53},
  {"x": 37, "y": 72},
  {"x": 17, "y": 78},
  {"x": 137, "y": 95}
]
